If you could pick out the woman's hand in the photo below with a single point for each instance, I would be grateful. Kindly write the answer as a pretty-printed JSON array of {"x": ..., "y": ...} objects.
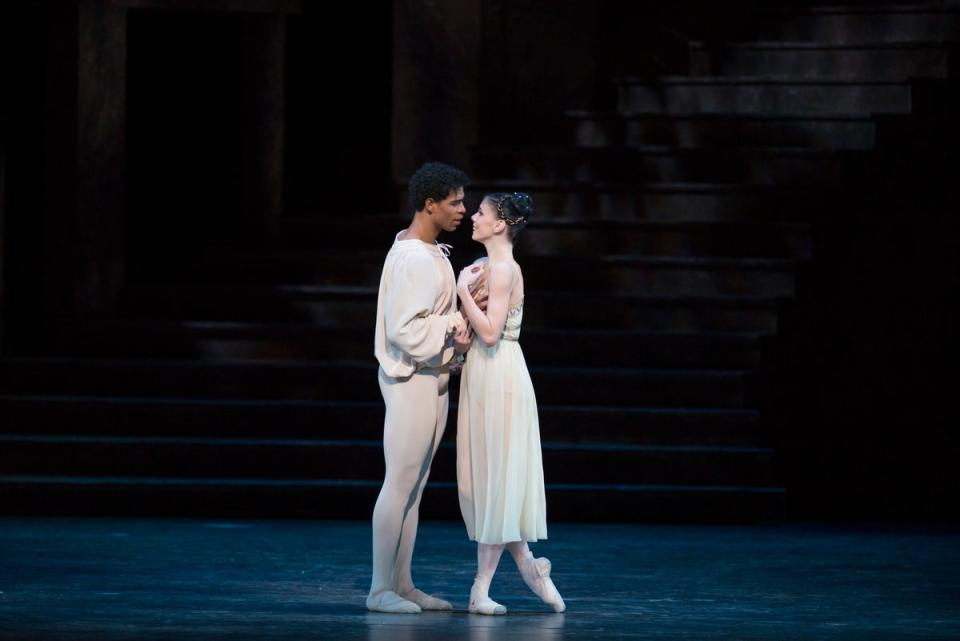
[{"x": 468, "y": 276}]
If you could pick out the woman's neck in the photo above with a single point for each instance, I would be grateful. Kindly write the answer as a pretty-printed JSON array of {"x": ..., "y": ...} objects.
[{"x": 499, "y": 249}]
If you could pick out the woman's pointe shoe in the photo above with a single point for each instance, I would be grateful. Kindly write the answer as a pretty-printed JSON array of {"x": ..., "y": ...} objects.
[
  {"x": 480, "y": 602},
  {"x": 536, "y": 574}
]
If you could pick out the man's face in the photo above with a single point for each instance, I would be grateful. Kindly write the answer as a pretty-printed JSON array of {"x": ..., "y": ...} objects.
[{"x": 448, "y": 212}]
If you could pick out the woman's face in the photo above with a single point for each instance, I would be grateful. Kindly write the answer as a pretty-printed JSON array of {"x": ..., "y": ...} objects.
[{"x": 484, "y": 221}]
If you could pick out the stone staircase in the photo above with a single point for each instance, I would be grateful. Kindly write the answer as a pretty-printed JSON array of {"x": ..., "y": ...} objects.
[{"x": 670, "y": 236}]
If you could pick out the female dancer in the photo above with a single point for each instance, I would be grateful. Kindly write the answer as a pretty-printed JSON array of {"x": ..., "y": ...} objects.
[{"x": 499, "y": 465}]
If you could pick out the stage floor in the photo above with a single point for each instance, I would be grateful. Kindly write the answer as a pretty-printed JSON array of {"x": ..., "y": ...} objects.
[{"x": 213, "y": 579}]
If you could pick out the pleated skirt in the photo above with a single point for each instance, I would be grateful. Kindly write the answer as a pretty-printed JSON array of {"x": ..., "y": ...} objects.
[{"x": 499, "y": 460}]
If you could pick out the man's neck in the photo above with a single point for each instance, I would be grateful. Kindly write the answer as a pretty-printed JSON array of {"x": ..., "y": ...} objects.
[{"x": 421, "y": 229}]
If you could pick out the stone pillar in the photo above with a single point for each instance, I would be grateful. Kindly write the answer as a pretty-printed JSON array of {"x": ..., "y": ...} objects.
[
  {"x": 3, "y": 229},
  {"x": 84, "y": 176},
  {"x": 436, "y": 58},
  {"x": 264, "y": 162},
  {"x": 85, "y": 158},
  {"x": 540, "y": 59}
]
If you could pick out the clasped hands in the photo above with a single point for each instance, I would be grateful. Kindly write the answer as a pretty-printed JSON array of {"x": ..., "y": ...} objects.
[{"x": 463, "y": 333}]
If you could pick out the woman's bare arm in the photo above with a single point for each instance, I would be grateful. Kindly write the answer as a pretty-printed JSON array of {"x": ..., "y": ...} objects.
[{"x": 488, "y": 324}]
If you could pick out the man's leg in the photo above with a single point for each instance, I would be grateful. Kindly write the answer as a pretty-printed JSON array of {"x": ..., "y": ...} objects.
[
  {"x": 409, "y": 436},
  {"x": 403, "y": 579}
]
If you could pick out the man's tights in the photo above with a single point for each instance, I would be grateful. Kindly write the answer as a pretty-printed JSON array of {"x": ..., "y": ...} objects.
[{"x": 416, "y": 415}]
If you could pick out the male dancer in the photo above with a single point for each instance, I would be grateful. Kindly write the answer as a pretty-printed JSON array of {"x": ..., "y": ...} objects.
[{"x": 418, "y": 329}]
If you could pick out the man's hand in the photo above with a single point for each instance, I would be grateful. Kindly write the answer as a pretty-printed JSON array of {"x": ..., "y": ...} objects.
[
  {"x": 462, "y": 337},
  {"x": 481, "y": 300}
]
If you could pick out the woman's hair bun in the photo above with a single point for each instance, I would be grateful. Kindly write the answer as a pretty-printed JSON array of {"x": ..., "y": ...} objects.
[{"x": 521, "y": 203}]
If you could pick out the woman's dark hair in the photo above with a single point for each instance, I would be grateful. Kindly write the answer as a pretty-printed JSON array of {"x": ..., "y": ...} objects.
[
  {"x": 514, "y": 208},
  {"x": 434, "y": 180}
]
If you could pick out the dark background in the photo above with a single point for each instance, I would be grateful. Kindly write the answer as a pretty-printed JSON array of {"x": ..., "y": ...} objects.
[{"x": 125, "y": 160}]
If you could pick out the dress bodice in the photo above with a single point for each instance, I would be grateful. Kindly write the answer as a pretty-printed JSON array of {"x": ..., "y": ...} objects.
[{"x": 511, "y": 330}]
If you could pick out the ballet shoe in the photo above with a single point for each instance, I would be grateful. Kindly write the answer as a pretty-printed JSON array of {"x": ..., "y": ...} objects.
[
  {"x": 480, "y": 602},
  {"x": 390, "y": 601},
  {"x": 425, "y": 601},
  {"x": 536, "y": 574}
]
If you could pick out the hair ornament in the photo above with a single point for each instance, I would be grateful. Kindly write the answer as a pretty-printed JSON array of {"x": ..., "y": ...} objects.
[{"x": 502, "y": 215}]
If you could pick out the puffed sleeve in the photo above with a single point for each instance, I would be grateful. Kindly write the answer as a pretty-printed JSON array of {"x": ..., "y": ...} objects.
[{"x": 409, "y": 318}]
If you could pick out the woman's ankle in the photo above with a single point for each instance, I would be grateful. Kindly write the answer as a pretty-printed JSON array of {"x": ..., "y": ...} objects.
[{"x": 520, "y": 552}]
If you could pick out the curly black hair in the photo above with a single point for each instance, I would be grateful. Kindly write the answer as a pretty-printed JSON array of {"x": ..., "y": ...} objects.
[{"x": 434, "y": 180}]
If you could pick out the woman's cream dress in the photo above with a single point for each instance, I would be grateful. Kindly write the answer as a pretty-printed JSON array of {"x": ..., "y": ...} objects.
[{"x": 499, "y": 464}]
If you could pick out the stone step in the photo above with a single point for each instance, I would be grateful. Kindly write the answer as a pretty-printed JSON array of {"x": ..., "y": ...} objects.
[
  {"x": 625, "y": 274},
  {"x": 690, "y": 95},
  {"x": 580, "y": 237},
  {"x": 575, "y": 237},
  {"x": 353, "y": 381},
  {"x": 346, "y": 306},
  {"x": 857, "y": 24},
  {"x": 668, "y": 202},
  {"x": 278, "y": 341},
  {"x": 241, "y": 418},
  {"x": 358, "y": 460},
  {"x": 815, "y": 61},
  {"x": 603, "y": 129},
  {"x": 335, "y": 498},
  {"x": 667, "y": 163}
]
